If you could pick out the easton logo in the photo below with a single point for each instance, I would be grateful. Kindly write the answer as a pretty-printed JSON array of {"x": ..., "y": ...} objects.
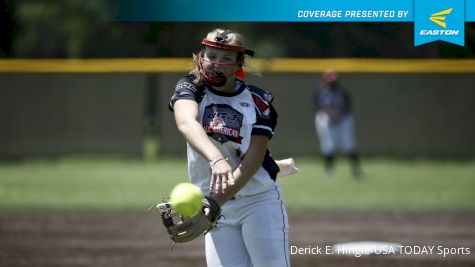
[{"x": 439, "y": 17}]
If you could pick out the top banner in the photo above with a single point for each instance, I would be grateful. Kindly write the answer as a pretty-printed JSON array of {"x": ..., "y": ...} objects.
[{"x": 421, "y": 12}]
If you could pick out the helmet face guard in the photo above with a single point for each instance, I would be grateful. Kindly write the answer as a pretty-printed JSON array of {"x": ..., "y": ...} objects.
[
  {"x": 219, "y": 79},
  {"x": 213, "y": 78}
]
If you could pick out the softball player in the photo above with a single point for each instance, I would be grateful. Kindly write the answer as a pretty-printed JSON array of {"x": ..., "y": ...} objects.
[
  {"x": 334, "y": 124},
  {"x": 227, "y": 125}
]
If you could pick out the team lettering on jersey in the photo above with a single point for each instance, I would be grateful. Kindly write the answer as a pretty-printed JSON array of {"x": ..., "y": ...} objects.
[{"x": 222, "y": 123}]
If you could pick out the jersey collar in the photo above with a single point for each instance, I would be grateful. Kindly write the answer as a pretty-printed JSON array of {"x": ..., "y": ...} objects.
[{"x": 240, "y": 84}]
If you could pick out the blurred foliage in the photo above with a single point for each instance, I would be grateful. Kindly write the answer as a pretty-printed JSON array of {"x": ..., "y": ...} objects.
[
  {"x": 86, "y": 29},
  {"x": 59, "y": 28},
  {"x": 6, "y": 27}
]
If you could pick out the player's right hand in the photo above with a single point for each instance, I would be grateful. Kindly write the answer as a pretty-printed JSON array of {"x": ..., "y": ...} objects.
[{"x": 221, "y": 175}]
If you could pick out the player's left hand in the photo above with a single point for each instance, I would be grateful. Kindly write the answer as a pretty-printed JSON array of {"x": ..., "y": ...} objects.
[{"x": 183, "y": 229}]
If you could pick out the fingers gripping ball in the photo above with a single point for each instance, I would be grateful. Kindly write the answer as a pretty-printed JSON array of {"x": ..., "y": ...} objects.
[{"x": 186, "y": 199}]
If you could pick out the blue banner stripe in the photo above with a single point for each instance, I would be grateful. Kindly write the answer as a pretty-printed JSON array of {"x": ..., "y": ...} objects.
[
  {"x": 433, "y": 19},
  {"x": 469, "y": 10},
  {"x": 274, "y": 10}
]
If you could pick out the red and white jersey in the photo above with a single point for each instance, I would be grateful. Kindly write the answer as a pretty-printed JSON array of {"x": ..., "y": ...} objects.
[{"x": 229, "y": 119}]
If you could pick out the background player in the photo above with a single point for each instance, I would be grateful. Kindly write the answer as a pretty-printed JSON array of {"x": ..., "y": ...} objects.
[
  {"x": 227, "y": 125},
  {"x": 334, "y": 124}
]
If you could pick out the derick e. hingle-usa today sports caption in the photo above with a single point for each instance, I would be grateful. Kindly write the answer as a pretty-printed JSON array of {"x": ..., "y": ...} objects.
[{"x": 380, "y": 250}]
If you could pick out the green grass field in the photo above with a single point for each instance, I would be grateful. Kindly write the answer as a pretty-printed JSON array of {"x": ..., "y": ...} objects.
[{"x": 99, "y": 183}]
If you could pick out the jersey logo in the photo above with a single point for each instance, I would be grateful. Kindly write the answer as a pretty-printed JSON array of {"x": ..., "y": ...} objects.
[
  {"x": 244, "y": 104},
  {"x": 186, "y": 85},
  {"x": 222, "y": 123}
]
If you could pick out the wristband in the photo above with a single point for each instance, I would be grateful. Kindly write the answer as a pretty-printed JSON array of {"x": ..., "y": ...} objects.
[{"x": 216, "y": 161}]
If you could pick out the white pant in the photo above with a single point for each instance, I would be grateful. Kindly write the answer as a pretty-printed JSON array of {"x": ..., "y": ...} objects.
[
  {"x": 252, "y": 232},
  {"x": 335, "y": 136}
]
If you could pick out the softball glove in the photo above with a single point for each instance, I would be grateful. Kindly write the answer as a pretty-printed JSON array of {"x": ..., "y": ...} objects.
[{"x": 183, "y": 229}]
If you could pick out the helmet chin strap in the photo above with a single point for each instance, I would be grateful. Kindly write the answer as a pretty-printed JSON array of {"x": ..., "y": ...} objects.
[{"x": 218, "y": 79}]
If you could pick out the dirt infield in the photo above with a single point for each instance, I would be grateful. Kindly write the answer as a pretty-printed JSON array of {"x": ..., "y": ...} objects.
[{"x": 137, "y": 238}]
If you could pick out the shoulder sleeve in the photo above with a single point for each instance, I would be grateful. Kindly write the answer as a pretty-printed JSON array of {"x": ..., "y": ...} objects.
[
  {"x": 186, "y": 89},
  {"x": 266, "y": 115}
]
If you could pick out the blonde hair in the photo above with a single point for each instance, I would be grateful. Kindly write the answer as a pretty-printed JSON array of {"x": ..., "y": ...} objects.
[{"x": 233, "y": 38}]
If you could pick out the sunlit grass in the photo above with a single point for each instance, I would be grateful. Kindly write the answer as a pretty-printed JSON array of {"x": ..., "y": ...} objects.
[
  {"x": 387, "y": 184},
  {"x": 134, "y": 184}
]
